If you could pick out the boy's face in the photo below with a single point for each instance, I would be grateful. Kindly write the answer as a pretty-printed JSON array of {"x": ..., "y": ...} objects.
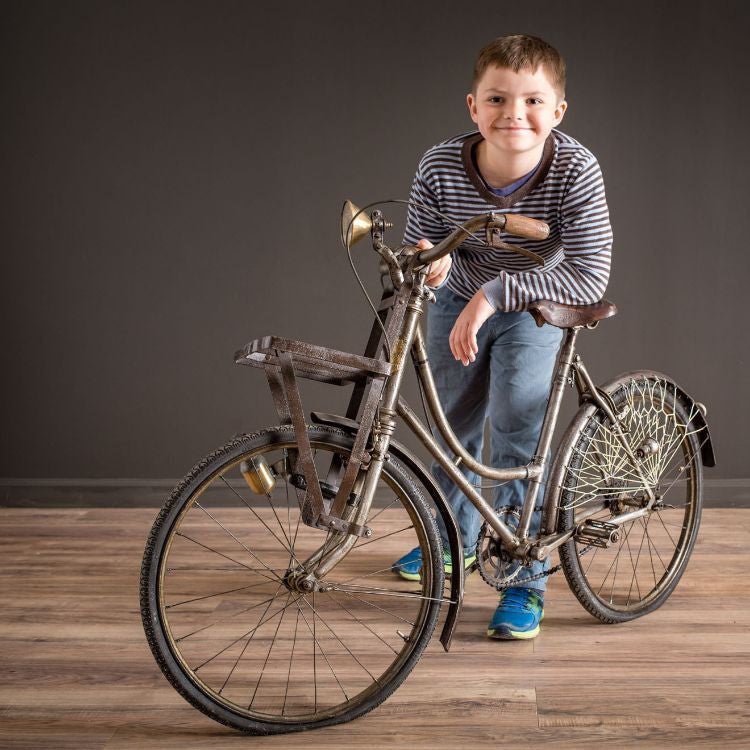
[{"x": 515, "y": 112}]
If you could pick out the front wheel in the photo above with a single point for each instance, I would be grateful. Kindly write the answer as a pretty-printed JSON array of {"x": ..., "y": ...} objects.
[
  {"x": 634, "y": 574},
  {"x": 230, "y": 631}
]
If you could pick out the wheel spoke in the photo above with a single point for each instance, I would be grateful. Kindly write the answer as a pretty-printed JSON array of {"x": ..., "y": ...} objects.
[
  {"x": 244, "y": 546},
  {"x": 363, "y": 624},
  {"x": 247, "y": 642},
  {"x": 634, "y": 565},
  {"x": 380, "y": 538},
  {"x": 287, "y": 546},
  {"x": 268, "y": 653},
  {"x": 221, "y": 554},
  {"x": 244, "y": 635},
  {"x": 346, "y": 648},
  {"x": 390, "y": 505},
  {"x": 209, "y": 596},
  {"x": 389, "y": 592},
  {"x": 323, "y": 654},
  {"x": 375, "y": 606},
  {"x": 291, "y": 660},
  {"x": 229, "y": 617}
]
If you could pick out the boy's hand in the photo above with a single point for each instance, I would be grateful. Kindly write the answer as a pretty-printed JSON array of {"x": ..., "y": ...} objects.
[
  {"x": 463, "y": 338},
  {"x": 438, "y": 269}
]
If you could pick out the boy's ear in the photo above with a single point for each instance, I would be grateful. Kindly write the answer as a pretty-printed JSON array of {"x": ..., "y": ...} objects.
[
  {"x": 560, "y": 111},
  {"x": 471, "y": 103}
]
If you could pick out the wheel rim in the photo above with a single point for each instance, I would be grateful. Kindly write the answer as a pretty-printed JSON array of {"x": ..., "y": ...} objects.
[
  {"x": 651, "y": 552},
  {"x": 267, "y": 653}
]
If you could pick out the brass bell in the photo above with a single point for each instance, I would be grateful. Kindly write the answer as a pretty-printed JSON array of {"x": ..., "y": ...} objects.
[{"x": 258, "y": 475}]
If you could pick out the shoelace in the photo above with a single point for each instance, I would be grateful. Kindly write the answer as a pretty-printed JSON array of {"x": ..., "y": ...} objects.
[{"x": 519, "y": 599}]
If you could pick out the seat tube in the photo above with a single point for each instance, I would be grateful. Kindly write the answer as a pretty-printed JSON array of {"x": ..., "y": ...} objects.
[{"x": 539, "y": 461}]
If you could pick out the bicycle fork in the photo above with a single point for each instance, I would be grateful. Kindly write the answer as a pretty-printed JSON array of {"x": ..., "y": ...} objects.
[{"x": 339, "y": 544}]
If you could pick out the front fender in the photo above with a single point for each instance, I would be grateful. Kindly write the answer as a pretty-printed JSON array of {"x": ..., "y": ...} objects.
[
  {"x": 423, "y": 476},
  {"x": 406, "y": 457}
]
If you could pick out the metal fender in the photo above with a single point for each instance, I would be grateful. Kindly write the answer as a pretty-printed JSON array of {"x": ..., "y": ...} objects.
[
  {"x": 697, "y": 409},
  {"x": 406, "y": 457},
  {"x": 402, "y": 454},
  {"x": 708, "y": 457}
]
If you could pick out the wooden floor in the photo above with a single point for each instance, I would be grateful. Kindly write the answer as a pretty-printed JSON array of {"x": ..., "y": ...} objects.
[{"x": 76, "y": 671}]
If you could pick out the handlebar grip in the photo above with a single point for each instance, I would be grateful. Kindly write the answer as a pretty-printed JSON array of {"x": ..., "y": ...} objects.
[{"x": 523, "y": 226}]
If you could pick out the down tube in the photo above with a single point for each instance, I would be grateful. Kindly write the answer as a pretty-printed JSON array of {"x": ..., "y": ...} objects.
[{"x": 487, "y": 512}]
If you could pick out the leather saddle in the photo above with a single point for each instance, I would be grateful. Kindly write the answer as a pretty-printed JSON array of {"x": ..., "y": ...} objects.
[{"x": 571, "y": 316}]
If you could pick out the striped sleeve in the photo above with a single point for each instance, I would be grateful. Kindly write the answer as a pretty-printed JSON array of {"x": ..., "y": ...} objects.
[{"x": 581, "y": 275}]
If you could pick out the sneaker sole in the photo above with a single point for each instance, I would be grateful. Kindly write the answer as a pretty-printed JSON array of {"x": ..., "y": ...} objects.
[
  {"x": 409, "y": 576},
  {"x": 502, "y": 634}
]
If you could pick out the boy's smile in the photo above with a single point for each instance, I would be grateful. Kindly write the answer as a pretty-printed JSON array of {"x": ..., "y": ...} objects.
[{"x": 515, "y": 113}]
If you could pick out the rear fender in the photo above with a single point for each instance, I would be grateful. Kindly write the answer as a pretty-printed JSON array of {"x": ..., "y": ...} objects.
[{"x": 692, "y": 407}]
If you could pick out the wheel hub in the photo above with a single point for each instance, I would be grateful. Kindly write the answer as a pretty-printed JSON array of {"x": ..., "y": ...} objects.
[{"x": 301, "y": 581}]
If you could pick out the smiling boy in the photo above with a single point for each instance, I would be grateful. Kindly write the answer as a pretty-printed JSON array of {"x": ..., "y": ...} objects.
[{"x": 491, "y": 362}]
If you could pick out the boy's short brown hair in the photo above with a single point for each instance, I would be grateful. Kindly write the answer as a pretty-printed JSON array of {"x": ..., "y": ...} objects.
[{"x": 521, "y": 51}]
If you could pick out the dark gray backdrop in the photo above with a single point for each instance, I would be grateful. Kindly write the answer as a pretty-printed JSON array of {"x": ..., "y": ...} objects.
[{"x": 172, "y": 174}]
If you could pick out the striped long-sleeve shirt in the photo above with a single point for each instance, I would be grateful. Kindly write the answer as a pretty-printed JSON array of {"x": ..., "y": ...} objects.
[{"x": 566, "y": 191}]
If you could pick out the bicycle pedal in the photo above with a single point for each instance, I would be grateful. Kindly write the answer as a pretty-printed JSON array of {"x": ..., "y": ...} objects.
[{"x": 597, "y": 533}]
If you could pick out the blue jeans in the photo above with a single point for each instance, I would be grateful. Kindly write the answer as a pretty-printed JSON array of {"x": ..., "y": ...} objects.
[{"x": 508, "y": 385}]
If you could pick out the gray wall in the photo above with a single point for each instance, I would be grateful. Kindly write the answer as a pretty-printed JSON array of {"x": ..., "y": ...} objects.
[{"x": 172, "y": 174}]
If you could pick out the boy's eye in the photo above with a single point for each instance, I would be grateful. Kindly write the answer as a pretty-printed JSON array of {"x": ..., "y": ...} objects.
[
  {"x": 495, "y": 100},
  {"x": 534, "y": 100}
]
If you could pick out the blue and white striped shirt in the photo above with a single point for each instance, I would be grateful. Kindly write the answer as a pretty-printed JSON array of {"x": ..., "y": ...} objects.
[{"x": 566, "y": 191}]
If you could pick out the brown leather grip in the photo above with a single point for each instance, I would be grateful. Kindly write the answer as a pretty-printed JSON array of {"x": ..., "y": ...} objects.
[{"x": 523, "y": 226}]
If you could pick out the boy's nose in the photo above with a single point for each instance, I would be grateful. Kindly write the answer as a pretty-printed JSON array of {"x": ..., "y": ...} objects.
[{"x": 513, "y": 111}]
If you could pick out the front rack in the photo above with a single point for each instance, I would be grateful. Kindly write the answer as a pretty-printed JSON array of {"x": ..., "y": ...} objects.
[
  {"x": 284, "y": 360},
  {"x": 311, "y": 361}
]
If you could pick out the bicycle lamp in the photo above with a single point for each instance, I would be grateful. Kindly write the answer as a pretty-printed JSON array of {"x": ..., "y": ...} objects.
[
  {"x": 258, "y": 476},
  {"x": 353, "y": 231}
]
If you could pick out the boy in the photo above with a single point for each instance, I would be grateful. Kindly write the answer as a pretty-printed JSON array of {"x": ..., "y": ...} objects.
[{"x": 489, "y": 358}]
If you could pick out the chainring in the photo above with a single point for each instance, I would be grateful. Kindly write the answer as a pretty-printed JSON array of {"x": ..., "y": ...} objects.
[{"x": 497, "y": 568}]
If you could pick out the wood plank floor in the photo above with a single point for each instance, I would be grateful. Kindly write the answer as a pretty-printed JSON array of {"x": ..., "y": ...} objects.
[{"x": 76, "y": 671}]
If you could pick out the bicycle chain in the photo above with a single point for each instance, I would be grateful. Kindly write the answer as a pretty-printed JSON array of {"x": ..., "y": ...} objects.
[{"x": 511, "y": 583}]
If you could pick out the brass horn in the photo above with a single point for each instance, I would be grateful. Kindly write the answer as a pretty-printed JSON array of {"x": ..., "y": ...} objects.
[{"x": 353, "y": 231}]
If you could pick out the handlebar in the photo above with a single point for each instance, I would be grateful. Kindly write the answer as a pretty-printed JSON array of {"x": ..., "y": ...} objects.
[{"x": 521, "y": 226}]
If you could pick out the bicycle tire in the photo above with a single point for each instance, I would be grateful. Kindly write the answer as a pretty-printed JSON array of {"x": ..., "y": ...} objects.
[
  {"x": 599, "y": 482},
  {"x": 187, "y": 550}
]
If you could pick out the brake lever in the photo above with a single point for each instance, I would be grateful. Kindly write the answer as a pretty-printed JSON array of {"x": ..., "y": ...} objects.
[
  {"x": 499, "y": 244},
  {"x": 520, "y": 249}
]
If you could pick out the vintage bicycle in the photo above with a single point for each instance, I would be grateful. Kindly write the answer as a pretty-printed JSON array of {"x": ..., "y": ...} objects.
[{"x": 268, "y": 593}]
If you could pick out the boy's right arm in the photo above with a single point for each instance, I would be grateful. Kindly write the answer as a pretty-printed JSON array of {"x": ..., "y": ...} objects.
[{"x": 424, "y": 229}]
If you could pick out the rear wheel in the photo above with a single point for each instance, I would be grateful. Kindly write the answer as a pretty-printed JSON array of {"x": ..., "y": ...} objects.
[
  {"x": 635, "y": 573},
  {"x": 245, "y": 647}
]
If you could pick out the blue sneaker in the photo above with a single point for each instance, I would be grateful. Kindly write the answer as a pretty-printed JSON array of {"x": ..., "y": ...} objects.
[
  {"x": 517, "y": 615},
  {"x": 410, "y": 565}
]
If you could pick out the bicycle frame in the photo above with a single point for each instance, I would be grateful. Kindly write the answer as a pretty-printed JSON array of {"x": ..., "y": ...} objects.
[
  {"x": 375, "y": 404},
  {"x": 517, "y": 542}
]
